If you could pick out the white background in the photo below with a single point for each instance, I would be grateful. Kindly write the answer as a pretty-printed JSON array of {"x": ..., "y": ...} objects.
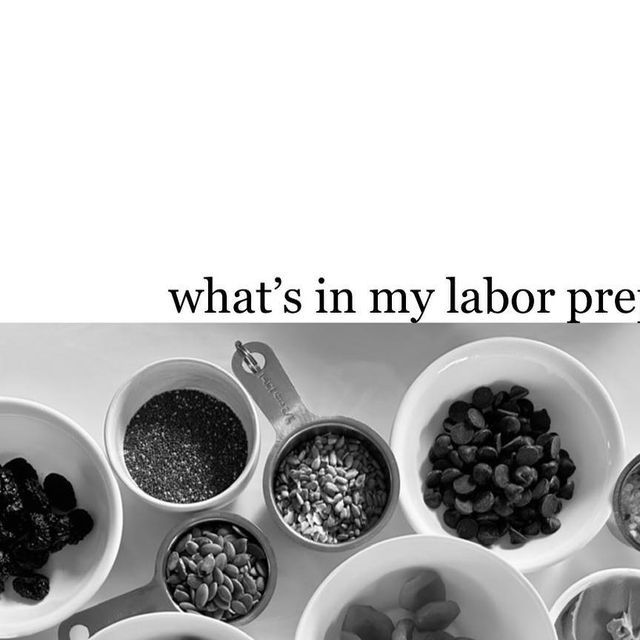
[
  {"x": 144, "y": 144},
  {"x": 356, "y": 370}
]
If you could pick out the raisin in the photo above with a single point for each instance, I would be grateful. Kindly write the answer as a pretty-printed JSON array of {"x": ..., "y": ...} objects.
[
  {"x": 32, "y": 587},
  {"x": 60, "y": 492},
  {"x": 34, "y": 497},
  {"x": 39, "y": 536},
  {"x": 21, "y": 469},
  {"x": 81, "y": 525}
]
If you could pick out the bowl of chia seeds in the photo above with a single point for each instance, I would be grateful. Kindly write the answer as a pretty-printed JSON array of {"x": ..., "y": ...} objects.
[{"x": 182, "y": 434}]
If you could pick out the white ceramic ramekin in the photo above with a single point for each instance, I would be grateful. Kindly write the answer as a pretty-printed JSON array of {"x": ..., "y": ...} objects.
[
  {"x": 52, "y": 442},
  {"x": 496, "y": 601},
  {"x": 581, "y": 411},
  {"x": 180, "y": 373},
  {"x": 169, "y": 626}
]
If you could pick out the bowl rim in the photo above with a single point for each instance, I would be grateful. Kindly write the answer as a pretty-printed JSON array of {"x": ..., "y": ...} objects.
[
  {"x": 221, "y": 499},
  {"x": 523, "y": 563},
  {"x": 426, "y": 538},
  {"x": 97, "y": 577},
  {"x": 199, "y": 621},
  {"x": 583, "y": 583}
]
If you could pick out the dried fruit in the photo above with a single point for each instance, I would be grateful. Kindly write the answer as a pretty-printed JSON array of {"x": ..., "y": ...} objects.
[
  {"x": 30, "y": 531},
  {"x": 437, "y": 616},
  {"x": 32, "y": 587},
  {"x": 426, "y": 587},
  {"x": 367, "y": 622},
  {"x": 60, "y": 492}
]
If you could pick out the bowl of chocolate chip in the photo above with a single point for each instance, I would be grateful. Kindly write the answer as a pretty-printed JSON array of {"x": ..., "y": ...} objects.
[
  {"x": 60, "y": 517},
  {"x": 182, "y": 434},
  {"x": 513, "y": 444}
]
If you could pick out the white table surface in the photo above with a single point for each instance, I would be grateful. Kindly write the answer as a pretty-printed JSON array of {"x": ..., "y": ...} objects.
[{"x": 354, "y": 370}]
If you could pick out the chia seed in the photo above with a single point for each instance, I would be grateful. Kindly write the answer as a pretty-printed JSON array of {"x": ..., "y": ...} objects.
[{"x": 185, "y": 446}]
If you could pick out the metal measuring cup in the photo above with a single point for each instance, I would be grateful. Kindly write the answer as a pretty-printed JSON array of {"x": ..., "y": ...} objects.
[
  {"x": 259, "y": 370},
  {"x": 155, "y": 596},
  {"x": 617, "y": 523}
]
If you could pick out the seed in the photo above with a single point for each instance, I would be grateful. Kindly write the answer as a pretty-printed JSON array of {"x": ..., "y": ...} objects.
[
  {"x": 228, "y": 574},
  {"x": 210, "y": 548},
  {"x": 185, "y": 446},
  {"x": 232, "y": 570},
  {"x": 316, "y": 495},
  {"x": 224, "y": 593},
  {"x": 202, "y": 596},
  {"x": 180, "y": 596},
  {"x": 172, "y": 561},
  {"x": 207, "y": 564},
  {"x": 238, "y": 607},
  {"x": 229, "y": 550},
  {"x": 221, "y": 560}
]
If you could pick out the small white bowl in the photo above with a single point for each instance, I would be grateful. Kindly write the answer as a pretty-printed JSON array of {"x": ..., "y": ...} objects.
[
  {"x": 581, "y": 412},
  {"x": 51, "y": 442},
  {"x": 170, "y": 626},
  {"x": 180, "y": 373},
  {"x": 496, "y": 601},
  {"x": 588, "y": 581}
]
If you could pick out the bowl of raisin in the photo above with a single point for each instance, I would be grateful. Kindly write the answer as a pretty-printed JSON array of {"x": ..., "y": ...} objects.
[{"x": 60, "y": 517}]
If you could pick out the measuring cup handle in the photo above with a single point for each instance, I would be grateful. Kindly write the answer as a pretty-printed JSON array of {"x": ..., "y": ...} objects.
[
  {"x": 270, "y": 387},
  {"x": 147, "y": 599}
]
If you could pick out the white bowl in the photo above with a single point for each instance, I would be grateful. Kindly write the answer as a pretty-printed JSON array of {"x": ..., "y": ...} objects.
[
  {"x": 170, "y": 626},
  {"x": 54, "y": 443},
  {"x": 581, "y": 412},
  {"x": 496, "y": 601},
  {"x": 180, "y": 373},
  {"x": 588, "y": 581}
]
